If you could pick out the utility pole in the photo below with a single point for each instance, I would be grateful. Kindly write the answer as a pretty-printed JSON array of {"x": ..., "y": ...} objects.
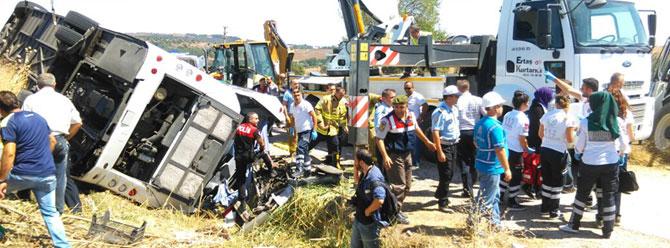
[{"x": 225, "y": 33}]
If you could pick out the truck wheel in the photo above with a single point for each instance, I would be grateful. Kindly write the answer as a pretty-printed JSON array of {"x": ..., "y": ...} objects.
[
  {"x": 662, "y": 130},
  {"x": 67, "y": 36},
  {"x": 79, "y": 22}
]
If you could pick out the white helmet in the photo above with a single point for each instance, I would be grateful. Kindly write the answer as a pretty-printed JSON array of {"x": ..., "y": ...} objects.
[
  {"x": 492, "y": 99},
  {"x": 451, "y": 90}
]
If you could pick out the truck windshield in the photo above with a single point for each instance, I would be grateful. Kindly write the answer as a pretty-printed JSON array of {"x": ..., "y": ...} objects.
[
  {"x": 615, "y": 24},
  {"x": 262, "y": 61}
]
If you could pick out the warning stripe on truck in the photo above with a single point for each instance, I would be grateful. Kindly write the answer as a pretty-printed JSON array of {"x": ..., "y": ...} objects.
[
  {"x": 359, "y": 110},
  {"x": 391, "y": 58}
]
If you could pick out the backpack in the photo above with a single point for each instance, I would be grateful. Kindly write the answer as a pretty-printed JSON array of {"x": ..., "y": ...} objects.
[{"x": 390, "y": 209}]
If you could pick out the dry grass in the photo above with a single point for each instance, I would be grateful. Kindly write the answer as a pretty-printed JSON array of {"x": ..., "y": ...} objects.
[
  {"x": 647, "y": 155},
  {"x": 315, "y": 216},
  {"x": 13, "y": 77}
]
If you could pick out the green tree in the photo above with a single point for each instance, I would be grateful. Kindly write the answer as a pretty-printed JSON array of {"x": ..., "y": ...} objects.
[{"x": 426, "y": 14}]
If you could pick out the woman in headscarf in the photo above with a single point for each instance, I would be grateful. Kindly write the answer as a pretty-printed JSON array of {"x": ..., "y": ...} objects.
[
  {"x": 598, "y": 147},
  {"x": 538, "y": 107}
]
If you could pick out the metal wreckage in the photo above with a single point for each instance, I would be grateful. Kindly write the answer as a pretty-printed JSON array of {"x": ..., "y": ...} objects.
[{"x": 157, "y": 130}]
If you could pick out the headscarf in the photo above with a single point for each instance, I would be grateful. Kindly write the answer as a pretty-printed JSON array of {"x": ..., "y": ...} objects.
[
  {"x": 604, "y": 114},
  {"x": 544, "y": 95}
]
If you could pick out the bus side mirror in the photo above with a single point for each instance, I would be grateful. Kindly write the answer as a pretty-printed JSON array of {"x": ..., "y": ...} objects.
[
  {"x": 651, "y": 21},
  {"x": 544, "y": 28}
]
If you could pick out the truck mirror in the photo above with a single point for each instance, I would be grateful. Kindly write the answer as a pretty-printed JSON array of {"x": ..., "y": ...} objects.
[
  {"x": 593, "y": 4},
  {"x": 544, "y": 28},
  {"x": 651, "y": 21},
  {"x": 289, "y": 61}
]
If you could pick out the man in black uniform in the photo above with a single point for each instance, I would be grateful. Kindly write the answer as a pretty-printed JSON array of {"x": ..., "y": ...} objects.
[{"x": 246, "y": 136}]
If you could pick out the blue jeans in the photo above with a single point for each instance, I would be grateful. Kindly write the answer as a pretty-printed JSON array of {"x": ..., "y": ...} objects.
[
  {"x": 489, "y": 196},
  {"x": 365, "y": 236},
  {"x": 44, "y": 190},
  {"x": 302, "y": 159},
  {"x": 61, "y": 152}
]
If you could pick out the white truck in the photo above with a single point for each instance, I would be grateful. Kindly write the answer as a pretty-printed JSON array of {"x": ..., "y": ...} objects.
[
  {"x": 156, "y": 129},
  {"x": 573, "y": 39}
]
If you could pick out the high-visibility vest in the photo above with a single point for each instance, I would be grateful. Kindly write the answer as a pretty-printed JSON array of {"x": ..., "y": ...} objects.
[{"x": 330, "y": 114}]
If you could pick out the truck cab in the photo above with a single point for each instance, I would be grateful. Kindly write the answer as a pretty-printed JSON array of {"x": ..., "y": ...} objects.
[
  {"x": 576, "y": 39},
  {"x": 242, "y": 63}
]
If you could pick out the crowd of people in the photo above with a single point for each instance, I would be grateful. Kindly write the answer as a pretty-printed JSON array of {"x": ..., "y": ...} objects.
[{"x": 581, "y": 139}]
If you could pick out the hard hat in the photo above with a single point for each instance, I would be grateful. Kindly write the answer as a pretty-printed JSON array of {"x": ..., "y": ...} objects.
[
  {"x": 402, "y": 99},
  {"x": 492, "y": 99},
  {"x": 451, "y": 90}
]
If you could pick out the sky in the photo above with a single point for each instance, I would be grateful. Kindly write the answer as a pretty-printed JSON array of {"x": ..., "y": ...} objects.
[{"x": 313, "y": 22}]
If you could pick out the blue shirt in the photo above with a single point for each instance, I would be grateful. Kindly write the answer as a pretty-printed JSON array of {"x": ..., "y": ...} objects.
[
  {"x": 288, "y": 97},
  {"x": 445, "y": 120},
  {"x": 31, "y": 133},
  {"x": 489, "y": 135},
  {"x": 381, "y": 110},
  {"x": 374, "y": 174}
]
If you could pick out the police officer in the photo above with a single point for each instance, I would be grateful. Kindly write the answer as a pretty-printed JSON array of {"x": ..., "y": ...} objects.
[
  {"x": 382, "y": 109},
  {"x": 445, "y": 130},
  {"x": 396, "y": 140},
  {"x": 247, "y": 136}
]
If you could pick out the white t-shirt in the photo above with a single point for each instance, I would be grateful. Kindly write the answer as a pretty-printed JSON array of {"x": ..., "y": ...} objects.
[
  {"x": 555, "y": 123},
  {"x": 303, "y": 120},
  {"x": 595, "y": 147},
  {"x": 56, "y": 109},
  {"x": 515, "y": 124},
  {"x": 414, "y": 103},
  {"x": 623, "y": 123}
]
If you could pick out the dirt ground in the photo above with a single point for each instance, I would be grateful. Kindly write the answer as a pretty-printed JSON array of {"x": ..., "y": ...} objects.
[{"x": 644, "y": 222}]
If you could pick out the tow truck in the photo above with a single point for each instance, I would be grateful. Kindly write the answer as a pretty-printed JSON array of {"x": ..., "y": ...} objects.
[
  {"x": 157, "y": 130},
  {"x": 573, "y": 39}
]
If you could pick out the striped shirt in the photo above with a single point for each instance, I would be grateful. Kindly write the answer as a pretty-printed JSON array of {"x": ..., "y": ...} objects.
[{"x": 470, "y": 110}]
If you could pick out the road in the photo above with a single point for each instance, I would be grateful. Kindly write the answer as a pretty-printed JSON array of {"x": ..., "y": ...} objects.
[{"x": 646, "y": 214}]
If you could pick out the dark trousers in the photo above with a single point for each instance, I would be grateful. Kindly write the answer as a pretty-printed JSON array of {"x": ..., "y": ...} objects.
[
  {"x": 571, "y": 177},
  {"x": 446, "y": 171},
  {"x": 553, "y": 166},
  {"x": 608, "y": 177},
  {"x": 241, "y": 176},
  {"x": 466, "y": 160},
  {"x": 513, "y": 188},
  {"x": 333, "y": 144}
]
